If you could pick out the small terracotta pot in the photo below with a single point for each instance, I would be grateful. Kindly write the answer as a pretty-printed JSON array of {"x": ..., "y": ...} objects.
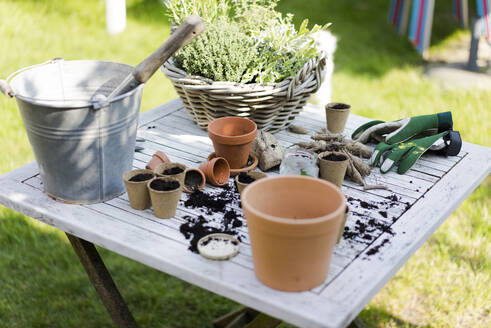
[
  {"x": 253, "y": 174},
  {"x": 341, "y": 229},
  {"x": 246, "y": 168},
  {"x": 293, "y": 224},
  {"x": 336, "y": 116},
  {"x": 164, "y": 202},
  {"x": 159, "y": 171},
  {"x": 157, "y": 158},
  {"x": 194, "y": 179},
  {"x": 137, "y": 190},
  {"x": 333, "y": 170},
  {"x": 217, "y": 171},
  {"x": 232, "y": 139}
]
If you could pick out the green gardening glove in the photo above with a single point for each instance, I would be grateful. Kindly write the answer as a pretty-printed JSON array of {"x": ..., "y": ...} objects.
[
  {"x": 403, "y": 130},
  {"x": 405, "y": 154}
]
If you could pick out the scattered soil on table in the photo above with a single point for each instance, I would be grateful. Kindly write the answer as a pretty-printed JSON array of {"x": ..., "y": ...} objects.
[
  {"x": 173, "y": 171},
  {"x": 374, "y": 250},
  {"x": 161, "y": 185},
  {"x": 334, "y": 157},
  {"x": 193, "y": 180},
  {"x": 227, "y": 221},
  {"x": 141, "y": 177},
  {"x": 245, "y": 178}
]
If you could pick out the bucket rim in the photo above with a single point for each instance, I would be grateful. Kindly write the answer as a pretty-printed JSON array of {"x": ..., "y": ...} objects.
[{"x": 76, "y": 103}]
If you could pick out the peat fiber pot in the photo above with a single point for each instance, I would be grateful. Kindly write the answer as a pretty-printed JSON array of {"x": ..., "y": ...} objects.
[
  {"x": 293, "y": 224},
  {"x": 232, "y": 139}
]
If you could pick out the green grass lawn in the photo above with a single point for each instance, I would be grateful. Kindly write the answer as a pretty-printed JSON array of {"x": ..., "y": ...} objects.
[{"x": 445, "y": 284}]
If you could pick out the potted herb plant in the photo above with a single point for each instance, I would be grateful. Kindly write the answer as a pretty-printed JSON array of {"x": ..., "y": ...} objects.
[{"x": 251, "y": 62}]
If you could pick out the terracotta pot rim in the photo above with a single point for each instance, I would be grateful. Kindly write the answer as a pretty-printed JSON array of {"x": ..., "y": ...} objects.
[
  {"x": 234, "y": 172},
  {"x": 308, "y": 221},
  {"x": 165, "y": 178},
  {"x": 203, "y": 179},
  {"x": 232, "y": 140},
  {"x": 136, "y": 172}
]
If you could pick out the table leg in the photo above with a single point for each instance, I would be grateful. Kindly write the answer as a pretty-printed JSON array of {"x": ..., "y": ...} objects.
[
  {"x": 102, "y": 282},
  {"x": 246, "y": 318}
]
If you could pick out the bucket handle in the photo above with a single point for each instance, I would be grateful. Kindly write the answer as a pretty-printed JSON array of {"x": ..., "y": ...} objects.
[{"x": 5, "y": 87}]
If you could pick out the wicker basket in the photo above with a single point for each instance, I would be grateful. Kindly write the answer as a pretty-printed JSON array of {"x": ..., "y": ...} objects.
[{"x": 272, "y": 106}]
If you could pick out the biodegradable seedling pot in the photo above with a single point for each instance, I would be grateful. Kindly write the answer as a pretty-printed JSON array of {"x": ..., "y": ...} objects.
[
  {"x": 137, "y": 189},
  {"x": 343, "y": 223},
  {"x": 165, "y": 193},
  {"x": 174, "y": 170},
  {"x": 250, "y": 165},
  {"x": 336, "y": 116},
  {"x": 216, "y": 170},
  {"x": 232, "y": 139},
  {"x": 157, "y": 158},
  {"x": 244, "y": 179},
  {"x": 293, "y": 224},
  {"x": 333, "y": 166}
]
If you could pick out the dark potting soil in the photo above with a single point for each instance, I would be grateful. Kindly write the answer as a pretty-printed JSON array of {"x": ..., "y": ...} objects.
[
  {"x": 141, "y": 177},
  {"x": 162, "y": 185},
  {"x": 334, "y": 157},
  {"x": 376, "y": 249},
  {"x": 227, "y": 221},
  {"x": 173, "y": 171},
  {"x": 339, "y": 106},
  {"x": 245, "y": 178},
  {"x": 193, "y": 180}
]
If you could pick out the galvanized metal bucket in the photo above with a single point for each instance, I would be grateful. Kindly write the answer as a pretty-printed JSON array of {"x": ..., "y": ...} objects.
[{"x": 82, "y": 146}]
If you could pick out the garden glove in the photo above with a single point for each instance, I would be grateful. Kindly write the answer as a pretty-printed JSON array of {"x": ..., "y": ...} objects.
[
  {"x": 405, "y": 154},
  {"x": 405, "y": 129}
]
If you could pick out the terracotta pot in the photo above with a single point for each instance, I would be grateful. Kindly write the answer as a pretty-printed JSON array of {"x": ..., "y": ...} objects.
[
  {"x": 157, "y": 158},
  {"x": 336, "y": 116},
  {"x": 217, "y": 171},
  {"x": 194, "y": 179},
  {"x": 253, "y": 174},
  {"x": 293, "y": 223},
  {"x": 232, "y": 139},
  {"x": 341, "y": 229},
  {"x": 245, "y": 168},
  {"x": 333, "y": 170},
  {"x": 164, "y": 202},
  {"x": 159, "y": 171},
  {"x": 137, "y": 190}
]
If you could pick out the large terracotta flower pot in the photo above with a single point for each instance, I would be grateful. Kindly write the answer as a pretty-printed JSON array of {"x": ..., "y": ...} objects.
[
  {"x": 232, "y": 139},
  {"x": 293, "y": 224},
  {"x": 216, "y": 170}
]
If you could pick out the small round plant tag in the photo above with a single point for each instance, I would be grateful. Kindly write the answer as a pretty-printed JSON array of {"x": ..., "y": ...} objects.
[{"x": 218, "y": 246}]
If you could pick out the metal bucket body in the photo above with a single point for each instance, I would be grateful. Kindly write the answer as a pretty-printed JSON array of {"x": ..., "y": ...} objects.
[{"x": 82, "y": 147}]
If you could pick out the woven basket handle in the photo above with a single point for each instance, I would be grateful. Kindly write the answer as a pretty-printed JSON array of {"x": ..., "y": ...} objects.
[{"x": 316, "y": 64}]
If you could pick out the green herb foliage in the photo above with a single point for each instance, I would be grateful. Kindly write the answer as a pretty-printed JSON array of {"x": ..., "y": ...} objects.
[
  {"x": 246, "y": 41},
  {"x": 222, "y": 53}
]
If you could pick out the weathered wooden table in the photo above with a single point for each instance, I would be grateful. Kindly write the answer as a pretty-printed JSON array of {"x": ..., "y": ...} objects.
[{"x": 384, "y": 228}]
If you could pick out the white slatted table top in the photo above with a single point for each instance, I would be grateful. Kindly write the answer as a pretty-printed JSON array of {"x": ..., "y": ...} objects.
[{"x": 361, "y": 265}]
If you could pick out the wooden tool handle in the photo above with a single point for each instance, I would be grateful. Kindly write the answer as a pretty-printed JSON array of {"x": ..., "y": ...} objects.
[{"x": 191, "y": 27}]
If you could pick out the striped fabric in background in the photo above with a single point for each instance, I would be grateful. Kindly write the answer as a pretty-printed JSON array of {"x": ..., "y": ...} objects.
[
  {"x": 483, "y": 11},
  {"x": 461, "y": 12},
  {"x": 420, "y": 24},
  {"x": 399, "y": 15},
  {"x": 419, "y": 17}
]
